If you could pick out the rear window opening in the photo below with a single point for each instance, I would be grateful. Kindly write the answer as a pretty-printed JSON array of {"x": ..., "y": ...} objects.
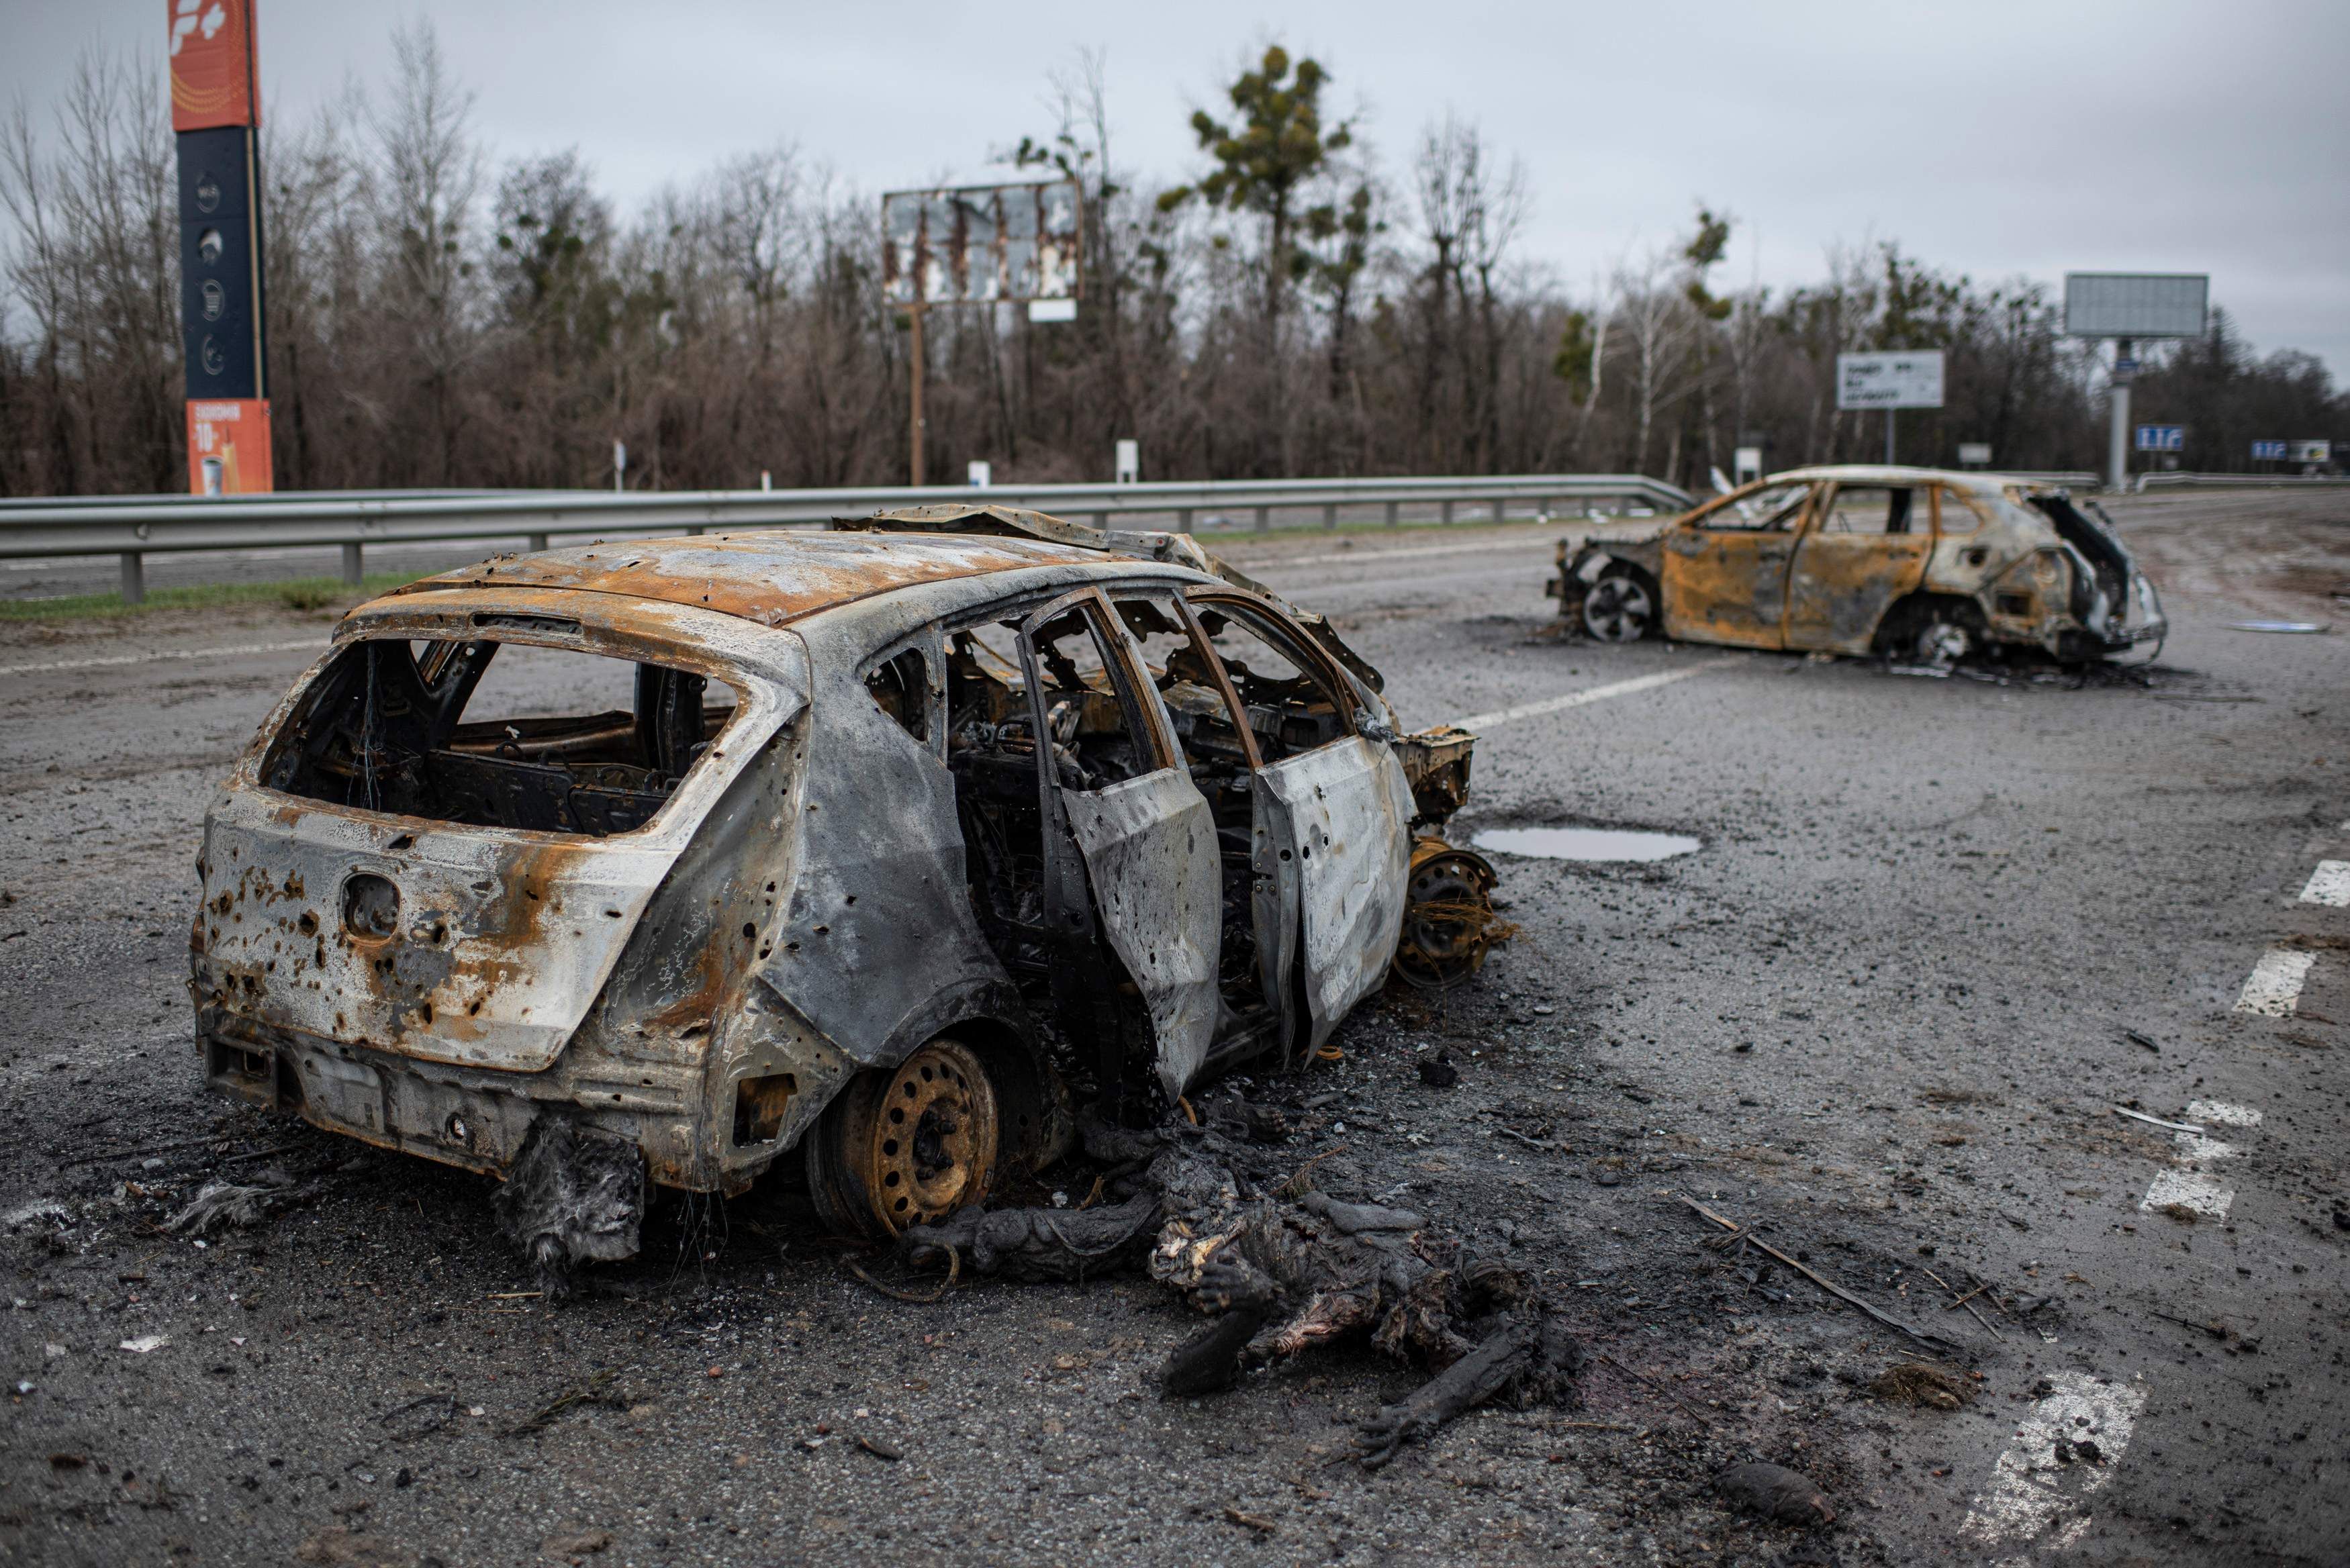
[{"x": 486, "y": 733}]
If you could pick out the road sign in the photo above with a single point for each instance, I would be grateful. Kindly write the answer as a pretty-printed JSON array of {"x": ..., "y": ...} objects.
[
  {"x": 1974, "y": 454},
  {"x": 2135, "y": 304},
  {"x": 2312, "y": 451},
  {"x": 2162, "y": 438},
  {"x": 1910, "y": 379},
  {"x": 977, "y": 243},
  {"x": 2268, "y": 451}
]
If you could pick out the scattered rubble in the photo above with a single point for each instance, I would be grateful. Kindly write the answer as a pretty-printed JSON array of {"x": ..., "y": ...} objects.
[{"x": 1278, "y": 1272}]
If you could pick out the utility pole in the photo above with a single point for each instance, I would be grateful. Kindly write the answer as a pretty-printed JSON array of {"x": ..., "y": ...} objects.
[
  {"x": 1889, "y": 438},
  {"x": 2119, "y": 397},
  {"x": 914, "y": 313}
]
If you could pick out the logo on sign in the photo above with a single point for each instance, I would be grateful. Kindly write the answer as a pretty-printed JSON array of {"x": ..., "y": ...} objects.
[
  {"x": 2268, "y": 451},
  {"x": 2161, "y": 438}
]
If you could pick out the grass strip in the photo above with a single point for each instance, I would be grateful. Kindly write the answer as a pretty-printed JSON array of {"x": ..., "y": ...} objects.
[{"x": 296, "y": 593}]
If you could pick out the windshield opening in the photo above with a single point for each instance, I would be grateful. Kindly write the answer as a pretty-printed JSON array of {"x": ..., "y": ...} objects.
[{"x": 488, "y": 733}]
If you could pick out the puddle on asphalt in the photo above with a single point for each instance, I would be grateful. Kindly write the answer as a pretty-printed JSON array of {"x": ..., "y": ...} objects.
[{"x": 1584, "y": 843}]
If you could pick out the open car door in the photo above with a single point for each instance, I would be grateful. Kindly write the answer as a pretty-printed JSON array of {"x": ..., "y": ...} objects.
[
  {"x": 1145, "y": 872},
  {"x": 1332, "y": 825}
]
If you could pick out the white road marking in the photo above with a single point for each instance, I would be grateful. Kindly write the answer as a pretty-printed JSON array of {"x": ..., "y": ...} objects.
[
  {"x": 2274, "y": 988},
  {"x": 1482, "y": 722},
  {"x": 2032, "y": 1490},
  {"x": 2329, "y": 884},
  {"x": 316, "y": 644},
  {"x": 2194, "y": 1188}
]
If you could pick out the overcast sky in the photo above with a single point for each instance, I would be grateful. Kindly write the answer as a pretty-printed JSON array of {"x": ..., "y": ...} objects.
[{"x": 1993, "y": 137}]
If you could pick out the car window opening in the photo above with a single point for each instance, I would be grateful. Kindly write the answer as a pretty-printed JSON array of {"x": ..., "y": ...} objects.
[
  {"x": 991, "y": 753},
  {"x": 557, "y": 740},
  {"x": 1872, "y": 509},
  {"x": 1775, "y": 508},
  {"x": 1290, "y": 707},
  {"x": 901, "y": 686}
]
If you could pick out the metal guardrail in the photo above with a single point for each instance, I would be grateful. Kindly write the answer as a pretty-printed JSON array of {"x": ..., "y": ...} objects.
[
  {"x": 2146, "y": 482},
  {"x": 135, "y": 528}
]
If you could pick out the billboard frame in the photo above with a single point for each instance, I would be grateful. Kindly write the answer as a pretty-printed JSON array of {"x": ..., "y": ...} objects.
[{"x": 912, "y": 260}]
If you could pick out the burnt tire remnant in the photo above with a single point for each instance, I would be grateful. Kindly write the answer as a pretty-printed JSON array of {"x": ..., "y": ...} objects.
[
  {"x": 1278, "y": 1269},
  {"x": 572, "y": 1196}
]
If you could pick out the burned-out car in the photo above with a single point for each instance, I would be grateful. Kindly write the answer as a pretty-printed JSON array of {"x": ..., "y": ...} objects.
[
  {"x": 883, "y": 845},
  {"x": 1914, "y": 562}
]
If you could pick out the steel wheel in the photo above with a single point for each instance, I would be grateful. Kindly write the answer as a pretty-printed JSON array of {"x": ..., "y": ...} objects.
[
  {"x": 1448, "y": 918},
  {"x": 1618, "y": 609},
  {"x": 906, "y": 1148}
]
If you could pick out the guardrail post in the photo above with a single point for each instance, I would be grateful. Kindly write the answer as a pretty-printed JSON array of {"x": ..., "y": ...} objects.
[
  {"x": 1497, "y": 511},
  {"x": 538, "y": 542},
  {"x": 134, "y": 577},
  {"x": 1265, "y": 519},
  {"x": 1101, "y": 521},
  {"x": 1183, "y": 521},
  {"x": 1448, "y": 512},
  {"x": 1395, "y": 513},
  {"x": 354, "y": 571},
  {"x": 1330, "y": 515}
]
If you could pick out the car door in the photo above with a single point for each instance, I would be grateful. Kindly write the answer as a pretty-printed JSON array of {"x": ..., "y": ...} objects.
[
  {"x": 1865, "y": 547},
  {"x": 1725, "y": 569},
  {"x": 1332, "y": 820},
  {"x": 1144, "y": 873}
]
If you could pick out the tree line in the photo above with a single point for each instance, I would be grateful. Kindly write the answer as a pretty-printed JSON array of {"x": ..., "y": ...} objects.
[{"x": 1297, "y": 307}]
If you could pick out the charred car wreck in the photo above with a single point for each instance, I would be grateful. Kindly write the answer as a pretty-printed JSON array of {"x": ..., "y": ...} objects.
[
  {"x": 1915, "y": 564},
  {"x": 882, "y": 849}
]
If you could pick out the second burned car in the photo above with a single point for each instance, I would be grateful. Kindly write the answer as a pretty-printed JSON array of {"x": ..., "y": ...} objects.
[
  {"x": 665, "y": 860},
  {"x": 1916, "y": 564}
]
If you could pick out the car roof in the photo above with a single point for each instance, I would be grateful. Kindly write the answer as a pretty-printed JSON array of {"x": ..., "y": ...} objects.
[
  {"x": 773, "y": 577},
  {"x": 1888, "y": 473}
]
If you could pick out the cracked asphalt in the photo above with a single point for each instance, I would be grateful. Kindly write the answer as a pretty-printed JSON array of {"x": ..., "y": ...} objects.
[{"x": 1936, "y": 932}]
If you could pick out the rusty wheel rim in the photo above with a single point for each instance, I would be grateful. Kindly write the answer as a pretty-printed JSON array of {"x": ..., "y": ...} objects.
[
  {"x": 931, "y": 1146},
  {"x": 1446, "y": 921}
]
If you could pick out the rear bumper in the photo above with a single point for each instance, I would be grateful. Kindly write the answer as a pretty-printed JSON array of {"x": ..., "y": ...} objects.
[{"x": 478, "y": 1119}]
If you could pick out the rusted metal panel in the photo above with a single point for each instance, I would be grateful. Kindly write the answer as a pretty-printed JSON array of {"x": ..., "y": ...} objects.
[
  {"x": 1728, "y": 588},
  {"x": 465, "y": 945},
  {"x": 875, "y": 942},
  {"x": 771, "y": 579},
  {"x": 1336, "y": 820},
  {"x": 1149, "y": 847}
]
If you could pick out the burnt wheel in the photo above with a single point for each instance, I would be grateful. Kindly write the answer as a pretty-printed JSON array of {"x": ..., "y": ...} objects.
[
  {"x": 908, "y": 1146},
  {"x": 1448, "y": 919},
  {"x": 1619, "y": 607}
]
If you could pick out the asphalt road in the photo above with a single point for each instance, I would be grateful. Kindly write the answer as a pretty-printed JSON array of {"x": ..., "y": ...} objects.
[{"x": 1936, "y": 933}]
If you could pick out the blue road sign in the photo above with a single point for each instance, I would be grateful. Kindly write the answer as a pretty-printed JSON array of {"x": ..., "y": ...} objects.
[
  {"x": 2162, "y": 438},
  {"x": 2268, "y": 451}
]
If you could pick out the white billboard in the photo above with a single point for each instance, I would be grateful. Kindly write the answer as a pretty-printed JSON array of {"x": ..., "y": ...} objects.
[
  {"x": 1903, "y": 378},
  {"x": 974, "y": 243},
  {"x": 2135, "y": 304}
]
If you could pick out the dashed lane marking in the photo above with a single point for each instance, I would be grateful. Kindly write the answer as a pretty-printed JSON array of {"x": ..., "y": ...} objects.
[
  {"x": 2194, "y": 1187},
  {"x": 2041, "y": 1489},
  {"x": 1482, "y": 721},
  {"x": 2274, "y": 988},
  {"x": 117, "y": 660},
  {"x": 2329, "y": 884}
]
